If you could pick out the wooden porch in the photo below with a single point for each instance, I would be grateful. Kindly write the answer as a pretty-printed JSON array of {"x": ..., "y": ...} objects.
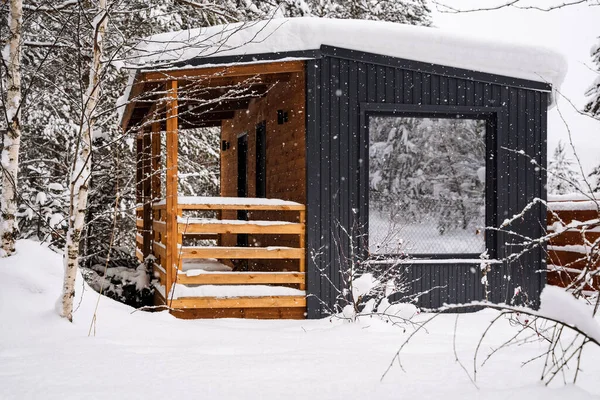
[
  {"x": 242, "y": 254},
  {"x": 207, "y": 280}
]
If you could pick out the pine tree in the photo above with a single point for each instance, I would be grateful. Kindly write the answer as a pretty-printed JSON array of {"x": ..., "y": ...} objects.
[
  {"x": 562, "y": 177},
  {"x": 56, "y": 56},
  {"x": 593, "y": 107},
  {"x": 594, "y": 177},
  {"x": 413, "y": 12}
]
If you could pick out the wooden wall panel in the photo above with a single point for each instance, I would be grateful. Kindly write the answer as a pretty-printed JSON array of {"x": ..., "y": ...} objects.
[{"x": 285, "y": 159}]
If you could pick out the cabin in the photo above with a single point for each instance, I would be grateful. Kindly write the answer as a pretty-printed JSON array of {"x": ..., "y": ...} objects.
[{"x": 345, "y": 146}]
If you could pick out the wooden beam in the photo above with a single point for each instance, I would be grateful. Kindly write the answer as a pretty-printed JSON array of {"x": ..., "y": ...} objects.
[
  {"x": 138, "y": 173},
  {"x": 147, "y": 190},
  {"x": 255, "y": 253},
  {"x": 159, "y": 250},
  {"x": 156, "y": 184},
  {"x": 136, "y": 89},
  {"x": 208, "y": 115},
  {"x": 253, "y": 313},
  {"x": 249, "y": 206},
  {"x": 220, "y": 105},
  {"x": 185, "y": 124},
  {"x": 248, "y": 227},
  {"x": 159, "y": 273},
  {"x": 239, "y": 302},
  {"x": 159, "y": 226},
  {"x": 211, "y": 87},
  {"x": 226, "y": 71},
  {"x": 302, "y": 267},
  {"x": 171, "y": 184},
  {"x": 242, "y": 278}
]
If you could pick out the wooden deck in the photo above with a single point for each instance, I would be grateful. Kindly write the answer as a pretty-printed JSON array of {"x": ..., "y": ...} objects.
[{"x": 245, "y": 294}]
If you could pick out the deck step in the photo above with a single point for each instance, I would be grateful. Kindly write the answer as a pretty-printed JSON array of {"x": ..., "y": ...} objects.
[
  {"x": 239, "y": 302},
  {"x": 263, "y": 253},
  {"x": 242, "y": 278},
  {"x": 192, "y": 226}
]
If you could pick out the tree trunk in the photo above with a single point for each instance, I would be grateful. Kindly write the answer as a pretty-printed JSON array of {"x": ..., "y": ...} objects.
[
  {"x": 12, "y": 138},
  {"x": 81, "y": 169}
]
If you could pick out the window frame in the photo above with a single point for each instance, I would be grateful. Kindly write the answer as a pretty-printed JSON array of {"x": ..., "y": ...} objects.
[{"x": 493, "y": 118}]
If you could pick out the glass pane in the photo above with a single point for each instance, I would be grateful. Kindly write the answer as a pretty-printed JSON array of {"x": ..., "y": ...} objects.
[{"x": 427, "y": 185}]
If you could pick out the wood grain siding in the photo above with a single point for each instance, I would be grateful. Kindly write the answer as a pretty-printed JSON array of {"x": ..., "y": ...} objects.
[
  {"x": 570, "y": 250},
  {"x": 285, "y": 158},
  {"x": 337, "y": 86}
]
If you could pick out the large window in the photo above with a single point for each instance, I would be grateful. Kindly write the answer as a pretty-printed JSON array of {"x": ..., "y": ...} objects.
[{"x": 426, "y": 185}]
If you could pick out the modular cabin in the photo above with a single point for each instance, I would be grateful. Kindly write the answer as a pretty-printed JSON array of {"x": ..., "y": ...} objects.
[{"x": 342, "y": 143}]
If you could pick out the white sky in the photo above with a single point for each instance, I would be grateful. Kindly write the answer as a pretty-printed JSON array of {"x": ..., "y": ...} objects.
[{"x": 571, "y": 30}]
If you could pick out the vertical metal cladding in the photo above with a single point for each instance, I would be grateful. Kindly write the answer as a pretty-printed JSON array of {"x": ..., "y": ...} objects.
[{"x": 337, "y": 172}]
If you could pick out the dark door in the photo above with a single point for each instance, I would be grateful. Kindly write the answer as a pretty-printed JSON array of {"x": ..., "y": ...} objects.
[
  {"x": 261, "y": 159},
  {"x": 242, "y": 181}
]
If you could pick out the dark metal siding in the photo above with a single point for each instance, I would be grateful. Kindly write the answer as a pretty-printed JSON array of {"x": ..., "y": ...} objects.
[
  {"x": 338, "y": 84},
  {"x": 449, "y": 283}
]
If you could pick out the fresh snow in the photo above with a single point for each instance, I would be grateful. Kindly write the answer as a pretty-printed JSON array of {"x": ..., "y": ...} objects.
[
  {"x": 574, "y": 205},
  {"x": 574, "y": 248},
  {"x": 140, "y": 355},
  {"x": 232, "y": 291},
  {"x": 576, "y": 225},
  {"x": 573, "y": 197},
  {"x": 560, "y": 305},
  {"x": 193, "y": 267},
  {"x": 236, "y": 201},
  {"x": 208, "y": 221},
  {"x": 429, "y": 45}
]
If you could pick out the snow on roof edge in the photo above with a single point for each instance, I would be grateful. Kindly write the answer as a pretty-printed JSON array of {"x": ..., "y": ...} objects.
[
  {"x": 417, "y": 43},
  {"x": 423, "y": 44}
]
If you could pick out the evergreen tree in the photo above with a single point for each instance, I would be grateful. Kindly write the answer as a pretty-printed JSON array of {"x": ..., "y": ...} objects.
[
  {"x": 413, "y": 12},
  {"x": 593, "y": 107},
  {"x": 562, "y": 177},
  {"x": 56, "y": 58},
  {"x": 428, "y": 169}
]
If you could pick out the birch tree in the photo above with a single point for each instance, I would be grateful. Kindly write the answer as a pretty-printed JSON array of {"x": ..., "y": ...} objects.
[
  {"x": 81, "y": 169},
  {"x": 12, "y": 138}
]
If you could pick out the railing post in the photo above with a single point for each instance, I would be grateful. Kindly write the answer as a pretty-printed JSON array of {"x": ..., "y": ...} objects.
[
  {"x": 302, "y": 266},
  {"x": 146, "y": 192},
  {"x": 171, "y": 186}
]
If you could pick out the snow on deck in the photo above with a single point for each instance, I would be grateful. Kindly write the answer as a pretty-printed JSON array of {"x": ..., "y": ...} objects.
[
  {"x": 557, "y": 226},
  {"x": 573, "y": 248},
  {"x": 429, "y": 45},
  {"x": 233, "y": 291},
  {"x": 580, "y": 205},
  {"x": 193, "y": 267},
  {"x": 236, "y": 201},
  {"x": 574, "y": 197},
  {"x": 208, "y": 221}
]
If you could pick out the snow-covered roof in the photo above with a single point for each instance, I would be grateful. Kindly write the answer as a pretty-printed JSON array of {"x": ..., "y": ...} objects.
[{"x": 429, "y": 45}]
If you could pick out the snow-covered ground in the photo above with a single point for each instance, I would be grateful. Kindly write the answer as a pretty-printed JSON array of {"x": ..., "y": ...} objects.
[{"x": 153, "y": 355}]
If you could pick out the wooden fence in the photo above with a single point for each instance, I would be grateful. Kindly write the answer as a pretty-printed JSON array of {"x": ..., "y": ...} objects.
[{"x": 574, "y": 228}]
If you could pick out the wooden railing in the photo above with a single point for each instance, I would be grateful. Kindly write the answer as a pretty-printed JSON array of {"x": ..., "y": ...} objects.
[
  {"x": 215, "y": 227},
  {"x": 574, "y": 222}
]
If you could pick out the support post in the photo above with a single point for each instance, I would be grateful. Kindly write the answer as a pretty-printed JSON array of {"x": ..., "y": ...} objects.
[
  {"x": 155, "y": 161},
  {"x": 302, "y": 266},
  {"x": 171, "y": 188},
  {"x": 146, "y": 193}
]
